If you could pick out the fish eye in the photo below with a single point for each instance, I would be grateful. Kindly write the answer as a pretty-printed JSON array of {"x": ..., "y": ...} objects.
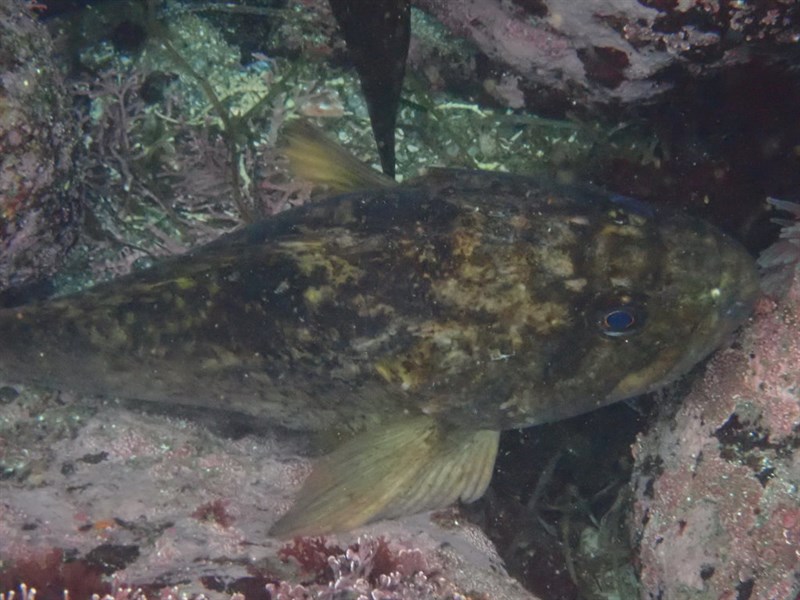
[
  {"x": 618, "y": 321},
  {"x": 619, "y": 315}
]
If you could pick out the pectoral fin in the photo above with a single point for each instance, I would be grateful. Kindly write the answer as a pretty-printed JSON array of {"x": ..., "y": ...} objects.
[{"x": 402, "y": 469}]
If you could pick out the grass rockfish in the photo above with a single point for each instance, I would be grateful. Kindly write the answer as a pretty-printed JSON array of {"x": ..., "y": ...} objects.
[{"x": 426, "y": 317}]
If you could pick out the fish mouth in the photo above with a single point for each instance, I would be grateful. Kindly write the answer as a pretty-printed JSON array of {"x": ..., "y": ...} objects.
[
  {"x": 738, "y": 286},
  {"x": 730, "y": 300}
]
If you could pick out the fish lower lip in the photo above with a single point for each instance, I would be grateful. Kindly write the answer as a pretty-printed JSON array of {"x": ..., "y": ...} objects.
[{"x": 736, "y": 310}]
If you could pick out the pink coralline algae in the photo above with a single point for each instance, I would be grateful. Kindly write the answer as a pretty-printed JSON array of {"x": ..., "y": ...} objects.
[
  {"x": 369, "y": 568},
  {"x": 718, "y": 485}
]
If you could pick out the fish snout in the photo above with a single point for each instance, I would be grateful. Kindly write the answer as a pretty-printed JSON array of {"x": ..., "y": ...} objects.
[{"x": 738, "y": 286}]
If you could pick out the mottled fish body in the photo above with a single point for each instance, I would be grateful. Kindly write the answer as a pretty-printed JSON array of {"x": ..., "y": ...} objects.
[{"x": 429, "y": 315}]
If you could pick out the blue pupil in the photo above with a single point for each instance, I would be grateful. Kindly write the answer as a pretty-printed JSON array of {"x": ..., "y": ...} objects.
[{"x": 618, "y": 321}]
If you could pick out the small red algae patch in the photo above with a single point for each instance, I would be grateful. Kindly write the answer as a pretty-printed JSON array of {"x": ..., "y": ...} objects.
[
  {"x": 368, "y": 565},
  {"x": 50, "y": 574},
  {"x": 311, "y": 555},
  {"x": 214, "y": 512}
]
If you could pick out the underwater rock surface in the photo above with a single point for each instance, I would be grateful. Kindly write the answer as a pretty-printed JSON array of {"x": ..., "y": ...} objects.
[
  {"x": 615, "y": 50},
  {"x": 38, "y": 204},
  {"x": 146, "y": 500},
  {"x": 717, "y": 513}
]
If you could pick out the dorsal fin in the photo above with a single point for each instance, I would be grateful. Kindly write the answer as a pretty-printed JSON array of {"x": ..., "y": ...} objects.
[{"x": 315, "y": 157}]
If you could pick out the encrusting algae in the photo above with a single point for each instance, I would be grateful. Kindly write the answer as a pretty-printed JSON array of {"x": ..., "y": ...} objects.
[{"x": 426, "y": 317}]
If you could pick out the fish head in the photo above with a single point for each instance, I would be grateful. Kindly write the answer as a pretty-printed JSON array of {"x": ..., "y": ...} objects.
[
  {"x": 596, "y": 299},
  {"x": 661, "y": 291},
  {"x": 701, "y": 286}
]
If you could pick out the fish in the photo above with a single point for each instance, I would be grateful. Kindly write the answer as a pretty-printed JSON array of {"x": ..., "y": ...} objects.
[
  {"x": 377, "y": 35},
  {"x": 422, "y": 318}
]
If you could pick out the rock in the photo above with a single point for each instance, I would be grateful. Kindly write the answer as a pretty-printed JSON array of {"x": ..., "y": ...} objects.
[
  {"x": 717, "y": 513},
  {"x": 160, "y": 501},
  {"x": 616, "y": 50},
  {"x": 39, "y": 208}
]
